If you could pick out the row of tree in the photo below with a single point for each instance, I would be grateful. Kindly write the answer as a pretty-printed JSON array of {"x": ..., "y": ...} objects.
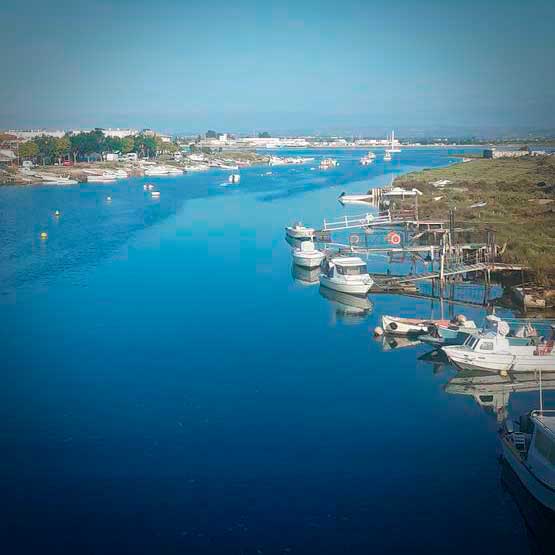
[{"x": 83, "y": 146}]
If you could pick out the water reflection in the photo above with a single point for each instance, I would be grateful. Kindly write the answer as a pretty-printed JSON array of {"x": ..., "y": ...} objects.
[
  {"x": 350, "y": 309},
  {"x": 390, "y": 342},
  {"x": 492, "y": 392},
  {"x": 305, "y": 276},
  {"x": 539, "y": 521}
]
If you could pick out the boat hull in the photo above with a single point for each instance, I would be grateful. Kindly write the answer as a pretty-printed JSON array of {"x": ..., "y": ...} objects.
[
  {"x": 306, "y": 233},
  {"x": 542, "y": 492},
  {"x": 308, "y": 260},
  {"x": 405, "y": 326},
  {"x": 352, "y": 287}
]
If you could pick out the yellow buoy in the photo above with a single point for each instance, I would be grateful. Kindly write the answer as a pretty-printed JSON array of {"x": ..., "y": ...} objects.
[
  {"x": 504, "y": 373},
  {"x": 44, "y": 235}
]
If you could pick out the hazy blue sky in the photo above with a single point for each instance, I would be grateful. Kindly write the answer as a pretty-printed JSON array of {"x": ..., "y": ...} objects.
[{"x": 284, "y": 66}]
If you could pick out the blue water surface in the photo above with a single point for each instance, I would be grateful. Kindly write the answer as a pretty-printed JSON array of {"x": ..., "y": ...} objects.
[{"x": 170, "y": 387}]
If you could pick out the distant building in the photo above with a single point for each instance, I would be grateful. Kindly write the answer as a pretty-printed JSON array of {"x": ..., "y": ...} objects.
[
  {"x": 494, "y": 153},
  {"x": 112, "y": 156},
  {"x": 120, "y": 133},
  {"x": 28, "y": 134}
]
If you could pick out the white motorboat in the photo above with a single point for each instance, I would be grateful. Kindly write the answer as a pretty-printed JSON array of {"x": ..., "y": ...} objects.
[
  {"x": 307, "y": 255},
  {"x": 368, "y": 159},
  {"x": 529, "y": 448},
  {"x": 356, "y": 199},
  {"x": 101, "y": 178},
  {"x": 492, "y": 351},
  {"x": 347, "y": 275},
  {"x": 387, "y": 156},
  {"x": 234, "y": 178},
  {"x": 197, "y": 168},
  {"x": 155, "y": 170},
  {"x": 328, "y": 163},
  {"x": 409, "y": 326},
  {"x": 299, "y": 231}
]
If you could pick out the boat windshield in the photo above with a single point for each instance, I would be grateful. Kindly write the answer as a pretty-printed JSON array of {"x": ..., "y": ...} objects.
[
  {"x": 352, "y": 270},
  {"x": 471, "y": 342}
]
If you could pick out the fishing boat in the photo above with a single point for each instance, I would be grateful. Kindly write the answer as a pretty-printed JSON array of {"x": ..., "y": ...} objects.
[
  {"x": 395, "y": 325},
  {"x": 234, "y": 178},
  {"x": 307, "y": 255},
  {"x": 456, "y": 333},
  {"x": 529, "y": 448},
  {"x": 299, "y": 231},
  {"x": 494, "y": 352},
  {"x": 387, "y": 156},
  {"x": 347, "y": 275}
]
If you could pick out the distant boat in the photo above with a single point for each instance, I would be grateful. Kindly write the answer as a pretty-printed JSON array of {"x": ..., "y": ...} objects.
[
  {"x": 328, "y": 163},
  {"x": 387, "y": 156},
  {"x": 394, "y": 147},
  {"x": 368, "y": 159},
  {"x": 234, "y": 178},
  {"x": 299, "y": 231},
  {"x": 355, "y": 199}
]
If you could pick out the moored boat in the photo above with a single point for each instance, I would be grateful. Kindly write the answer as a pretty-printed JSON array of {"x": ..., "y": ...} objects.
[
  {"x": 347, "y": 275},
  {"x": 299, "y": 231},
  {"x": 409, "y": 326},
  {"x": 529, "y": 448},
  {"x": 307, "y": 255}
]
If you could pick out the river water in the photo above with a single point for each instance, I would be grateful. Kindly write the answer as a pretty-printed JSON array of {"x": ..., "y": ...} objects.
[{"x": 170, "y": 385}]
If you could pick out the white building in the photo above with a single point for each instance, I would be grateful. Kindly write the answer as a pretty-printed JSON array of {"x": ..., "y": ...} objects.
[
  {"x": 28, "y": 134},
  {"x": 120, "y": 133}
]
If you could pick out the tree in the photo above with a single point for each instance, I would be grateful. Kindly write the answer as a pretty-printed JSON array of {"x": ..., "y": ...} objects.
[
  {"x": 127, "y": 144},
  {"x": 264, "y": 135},
  {"x": 47, "y": 148},
  {"x": 210, "y": 134},
  {"x": 144, "y": 146},
  {"x": 62, "y": 147},
  {"x": 29, "y": 150}
]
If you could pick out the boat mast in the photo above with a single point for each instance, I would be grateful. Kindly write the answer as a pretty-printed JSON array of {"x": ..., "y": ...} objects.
[{"x": 541, "y": 392}]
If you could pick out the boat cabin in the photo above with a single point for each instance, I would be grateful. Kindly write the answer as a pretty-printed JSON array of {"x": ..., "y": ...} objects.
[{"x": 347, "y": 266}]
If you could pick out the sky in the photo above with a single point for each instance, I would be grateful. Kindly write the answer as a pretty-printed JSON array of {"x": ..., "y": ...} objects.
[{"x": 350, "y": 66}]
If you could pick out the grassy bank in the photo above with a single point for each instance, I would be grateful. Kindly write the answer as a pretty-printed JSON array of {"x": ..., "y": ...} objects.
[{"x": 520, "y": 204}]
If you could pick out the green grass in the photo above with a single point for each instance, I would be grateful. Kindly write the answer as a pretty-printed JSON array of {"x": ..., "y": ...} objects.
[{"x": 514, "y": 204}]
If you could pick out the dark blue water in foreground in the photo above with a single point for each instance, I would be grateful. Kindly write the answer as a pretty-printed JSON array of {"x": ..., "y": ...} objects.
[{"x": 168, "y": 387}]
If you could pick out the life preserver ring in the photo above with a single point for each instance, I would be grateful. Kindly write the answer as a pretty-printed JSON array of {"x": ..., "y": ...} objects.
[
  {"x": 354, "y": 239},
  {"x": 394, "y": 239}
]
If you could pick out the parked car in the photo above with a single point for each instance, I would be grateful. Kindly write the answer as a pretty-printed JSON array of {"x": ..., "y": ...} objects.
[{"x": 68, "y": 163}]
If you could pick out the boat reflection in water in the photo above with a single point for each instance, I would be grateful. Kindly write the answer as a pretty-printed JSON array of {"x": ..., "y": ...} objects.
[
  {"x": 437, "y": 358},
  {"x": 305, "y": 276},
  {"x": 350, "y": 309},
  {"x": 539, "y": 521},
  {"x": 493, "y": 391},
  {"x": 390, "y": 342}
]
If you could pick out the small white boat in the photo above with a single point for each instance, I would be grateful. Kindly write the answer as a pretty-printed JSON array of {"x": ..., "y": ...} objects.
[
  {"x": 103, "y": 178},
  {"x": 328, "y": 163},
  {"x": 493, "y": 351},
  {"x": 299, "y": 231},
  {"x": 155, "y": 194},
  {"x": 529, "y": 448},
  {"x": 355, "y": 199},
  {"x": 409, "y": 326},
  {"x": 234, "y": 178},
  {"x": 347, "y": 275},
  {"x": 308, "y": 256}
]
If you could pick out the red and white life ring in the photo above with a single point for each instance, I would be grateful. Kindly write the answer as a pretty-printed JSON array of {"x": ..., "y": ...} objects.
[{"x": 394, "y": 238}]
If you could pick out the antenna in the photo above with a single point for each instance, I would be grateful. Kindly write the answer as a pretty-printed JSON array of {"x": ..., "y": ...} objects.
[{"x": 541, "y": 392}]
